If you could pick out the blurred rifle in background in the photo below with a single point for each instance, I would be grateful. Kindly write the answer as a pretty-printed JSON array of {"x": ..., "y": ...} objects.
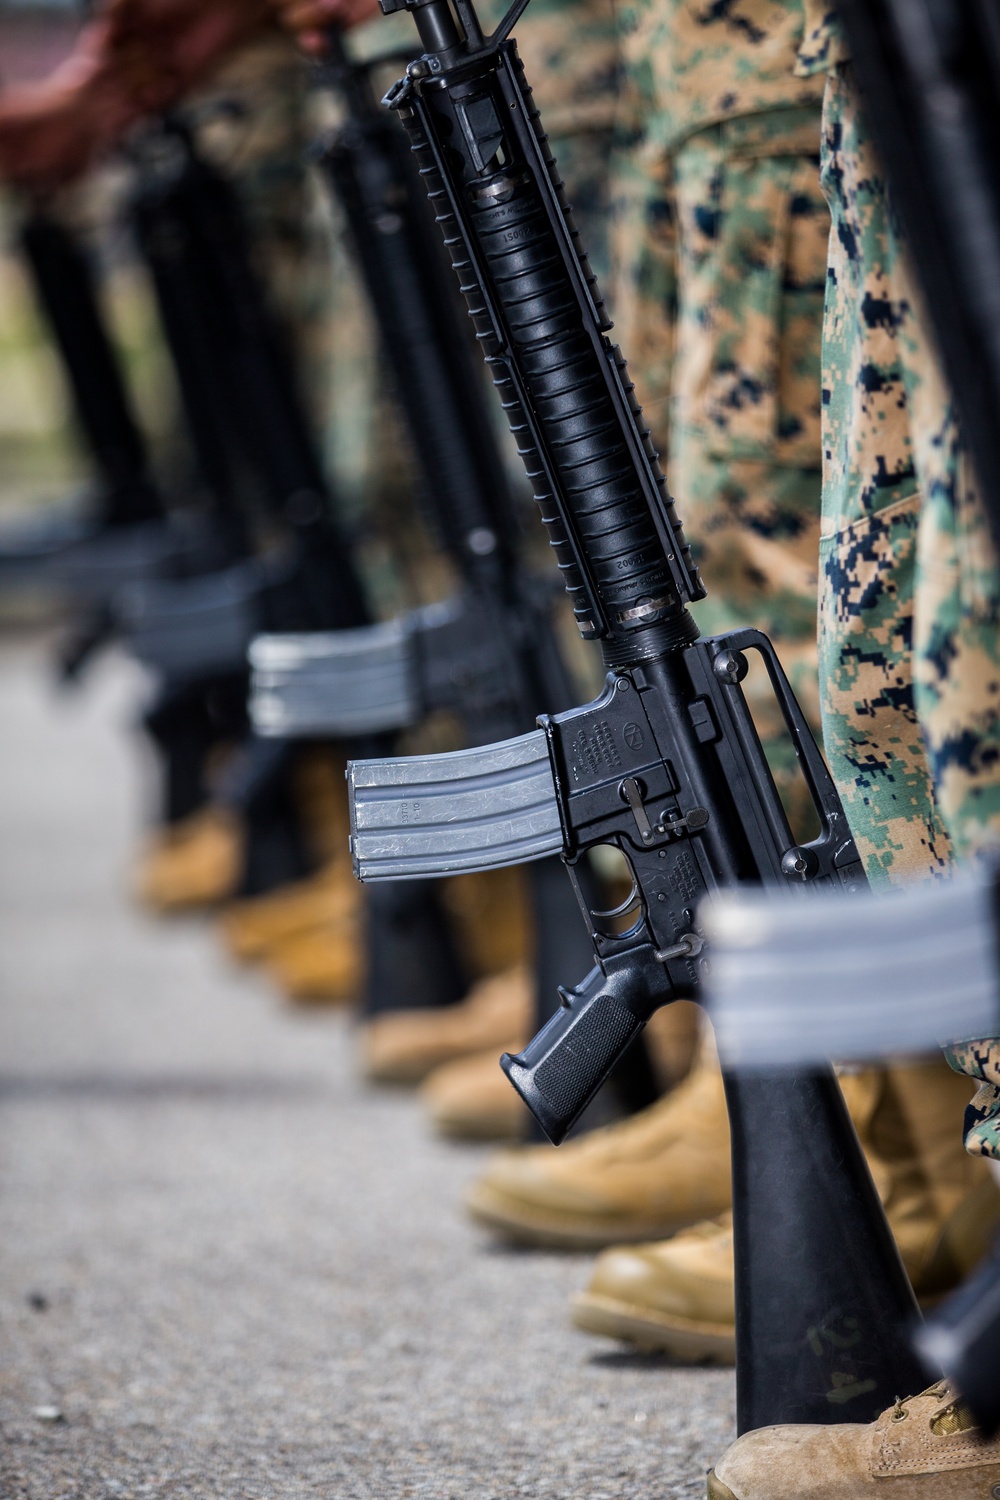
[
  {"x": 124, "y": 532},
  {"x": 256, "y": 452}
]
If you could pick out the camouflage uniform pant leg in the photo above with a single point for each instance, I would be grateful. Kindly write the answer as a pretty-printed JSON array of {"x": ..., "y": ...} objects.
[
  {"x": 871, "y": 511},
  {"x": 910, "y": 588},
  {"x": 721, "y": 255},
  {"x": 956, "y": 607},
  {"x": 956, "y": 662},
  {"x": 957, "y": 677},
  {"x": 643, "y": 282}
]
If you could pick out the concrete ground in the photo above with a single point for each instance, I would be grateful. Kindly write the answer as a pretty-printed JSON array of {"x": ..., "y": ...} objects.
[{"x": 229, "y": 1269}]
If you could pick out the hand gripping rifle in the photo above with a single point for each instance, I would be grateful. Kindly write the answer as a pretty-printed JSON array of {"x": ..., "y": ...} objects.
[
  {"x": 665, "y": 764},
  {"x": 489, "y": 655}
]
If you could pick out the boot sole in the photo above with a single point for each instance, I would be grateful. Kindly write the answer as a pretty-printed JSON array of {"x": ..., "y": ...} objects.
[
  {"x": 693, "y": 1343},
  {"x": 524, "y": 1225}
]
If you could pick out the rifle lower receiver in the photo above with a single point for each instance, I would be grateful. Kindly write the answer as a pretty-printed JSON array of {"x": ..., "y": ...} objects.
[{"x": 666, "y": 766}]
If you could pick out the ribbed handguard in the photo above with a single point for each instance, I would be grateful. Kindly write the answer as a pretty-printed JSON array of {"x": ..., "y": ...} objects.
[{"x": 618, "y": 542}]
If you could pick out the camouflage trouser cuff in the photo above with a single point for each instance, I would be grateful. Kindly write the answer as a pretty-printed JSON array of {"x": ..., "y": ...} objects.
[
  {"x": 982, "y": 1123},
  {"x": 980, "y": 1059}
]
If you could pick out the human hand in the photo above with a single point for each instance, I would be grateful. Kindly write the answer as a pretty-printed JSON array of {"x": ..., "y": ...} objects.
[
  {"x": 136, "y": 59},
  {"x": 51, "y": 131},
  {"x": 309, "y": 19}
]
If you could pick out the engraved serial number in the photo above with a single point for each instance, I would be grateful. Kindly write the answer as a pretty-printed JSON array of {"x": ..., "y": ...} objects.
[
  {"x": 595, "y": 752},
  {"x": 684, "y": 877}
]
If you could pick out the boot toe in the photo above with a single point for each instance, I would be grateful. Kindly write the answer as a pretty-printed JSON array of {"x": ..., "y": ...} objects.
[
  {"x": 806, "y": 1462},
  {"x": 470, "y": 1099}
]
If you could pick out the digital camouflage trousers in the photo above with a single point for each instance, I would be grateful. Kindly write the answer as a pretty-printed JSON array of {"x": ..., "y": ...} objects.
[
  {"x": 909, "y": 648},
  {"x": 720, "y": 258}
]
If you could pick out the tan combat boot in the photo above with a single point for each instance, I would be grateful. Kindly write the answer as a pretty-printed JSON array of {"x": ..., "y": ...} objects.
[
  {"x": 471, "y": 1099},
  {"x": 677, "y": 1294},
  {"x": 322, "y": 965},
  {"x": 943, "y": 1208},
  {"x": 252, "y": 929},
  {"x": 663, "y": 1169},
  {"x": 490, "y": 913},
  {"x": 404, "y": 1046},
  {"x": 195, "y": 863},
  {"x": 320, "y": 789},
  {"x": 924, "y": 1448}
]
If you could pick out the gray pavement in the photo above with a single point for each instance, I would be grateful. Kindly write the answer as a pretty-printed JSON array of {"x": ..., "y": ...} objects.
[{"x": 228, "y": 1269}]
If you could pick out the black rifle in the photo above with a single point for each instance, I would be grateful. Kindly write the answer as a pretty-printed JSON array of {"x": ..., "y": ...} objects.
[
  {"x": 666, "y": 764},
  {"x": 491, "y": 656},
  {"x": 125, "y": 532},
  {"x": 252, "y": 440},
  {"x": 64, "y": 284}
]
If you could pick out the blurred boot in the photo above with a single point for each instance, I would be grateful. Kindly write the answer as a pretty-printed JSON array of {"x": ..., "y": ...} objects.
[
  {"x": 322, "y": 965},
  {"x": 472, "y": 1100},
  {"x": 197, "y": 862},
  {"x": 320, "y": 787},
  {"x": 677, "y": 1295},
  {"x": 943, "y": 1205},
  {"x": 925, "y": 1447},
  {"x": 672, "y": 1036},
  {"x": 251, "y": 929},
  {"x": 404, "y": 1046},
  {"x": 943, "y": 1208},
  {"x": 644, "y": 1178},
  {"x": 491, "y": 916}
]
